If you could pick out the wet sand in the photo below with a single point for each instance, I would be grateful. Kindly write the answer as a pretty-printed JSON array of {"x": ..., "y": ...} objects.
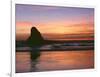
[{"x": 55, "y": 60}]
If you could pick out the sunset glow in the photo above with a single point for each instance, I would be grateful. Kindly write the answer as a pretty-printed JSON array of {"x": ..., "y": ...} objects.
[
  {"x": 54, "y": 20},
  {"x": 50, "y": 38}
]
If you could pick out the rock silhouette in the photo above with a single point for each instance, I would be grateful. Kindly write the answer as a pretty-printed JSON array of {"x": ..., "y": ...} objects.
[{"x": 35, "y": 39}]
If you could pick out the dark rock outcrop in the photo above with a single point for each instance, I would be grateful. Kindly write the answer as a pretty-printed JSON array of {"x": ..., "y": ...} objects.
[{"x": 35, "y": 39}]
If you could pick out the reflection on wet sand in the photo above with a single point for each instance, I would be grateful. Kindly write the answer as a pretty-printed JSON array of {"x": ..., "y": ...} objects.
[
  {"x": 23, "y": 62},
  {"x": 27, "y": 61},
  {"x": 56, "y": 60},
  {"x": 34, "y": 55}
]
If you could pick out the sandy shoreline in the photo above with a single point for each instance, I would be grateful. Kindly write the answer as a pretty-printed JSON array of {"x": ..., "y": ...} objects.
[{"x": 49, "y": 61}]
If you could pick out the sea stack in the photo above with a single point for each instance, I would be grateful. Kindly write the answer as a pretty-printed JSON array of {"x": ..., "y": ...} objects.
[{"x": 35, "y": 39}]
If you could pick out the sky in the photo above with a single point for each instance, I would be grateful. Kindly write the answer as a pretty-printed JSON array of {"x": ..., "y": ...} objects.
[{"x": 54, "y": 20}]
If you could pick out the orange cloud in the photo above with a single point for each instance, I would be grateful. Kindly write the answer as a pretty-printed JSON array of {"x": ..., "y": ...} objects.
[
  {"x": 57, "y": 27},
  {"x": 23, "y": 27}
]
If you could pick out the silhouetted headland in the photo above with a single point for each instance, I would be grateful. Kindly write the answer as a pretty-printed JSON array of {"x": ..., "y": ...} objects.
[{"x": 35, "y": 39}]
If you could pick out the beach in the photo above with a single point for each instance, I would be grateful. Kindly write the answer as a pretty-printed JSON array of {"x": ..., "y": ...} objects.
[{"x": 56, "y": 60}]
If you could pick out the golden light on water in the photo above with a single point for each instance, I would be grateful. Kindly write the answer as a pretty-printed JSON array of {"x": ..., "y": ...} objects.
[{"x": 57, "y": 60}]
